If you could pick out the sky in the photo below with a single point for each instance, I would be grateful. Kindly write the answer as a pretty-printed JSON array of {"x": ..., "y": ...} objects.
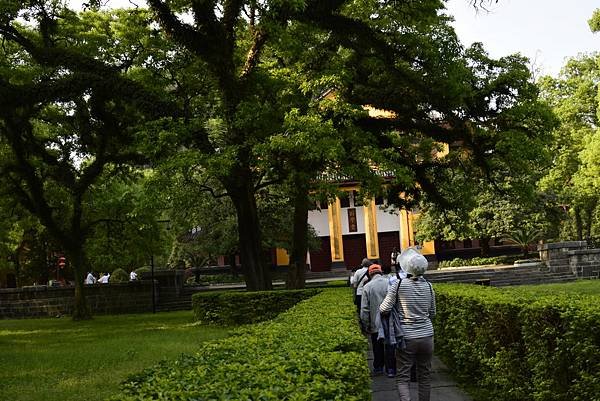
[{"x": 546, "y": 31}]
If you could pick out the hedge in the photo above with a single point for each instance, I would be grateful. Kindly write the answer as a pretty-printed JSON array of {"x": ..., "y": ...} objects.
[
  {"x": 119, "y": 276},
  {"x": 312, "y": 352},
  {"x": 478, "y": 261},
  {"x": 241, "y": 307},
  {"x": 521, "y": 345}
]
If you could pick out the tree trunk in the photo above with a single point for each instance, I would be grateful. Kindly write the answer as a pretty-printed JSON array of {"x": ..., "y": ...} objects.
[
  {"x": 578, "y": 225},
  {"x": 17, "y": 262},
  {"x": 81, "y": 309},
  {"x": 296, "y": 272},
  {"x": 256, "y": 273},
  {"x": 589, "y": 216},
  {"x": 484, "y": 243}
]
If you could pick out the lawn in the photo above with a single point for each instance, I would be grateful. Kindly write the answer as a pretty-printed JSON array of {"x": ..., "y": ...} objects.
[{"x": 62, "y": 360}]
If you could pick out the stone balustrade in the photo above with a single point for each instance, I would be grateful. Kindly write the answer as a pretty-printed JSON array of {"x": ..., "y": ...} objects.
[
  {"x": 42, "y": 301},
  {"x": 571, "y": 256}
]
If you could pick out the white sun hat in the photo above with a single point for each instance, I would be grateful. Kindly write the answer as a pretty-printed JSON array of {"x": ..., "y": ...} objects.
[{"x": 413, "y": 262}]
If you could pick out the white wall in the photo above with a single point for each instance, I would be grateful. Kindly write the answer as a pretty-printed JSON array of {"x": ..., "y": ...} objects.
[
  {"x": 318, "y": 220},
  {"x": 360, "y": 221},
  {"x": 387, "y": 221}
]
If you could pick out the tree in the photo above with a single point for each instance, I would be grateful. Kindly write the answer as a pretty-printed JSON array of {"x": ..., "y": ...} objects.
[
  {"x": 243, "y": 49},
  {"x": 573, "y": 96},
  {"x": 594, "y": 22},
  {"x": 67, "y": 116},
  {"x": 126, "y": 231},
  {"x": 230, "y": 84}
]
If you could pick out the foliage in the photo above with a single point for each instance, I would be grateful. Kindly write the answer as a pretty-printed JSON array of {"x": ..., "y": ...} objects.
[
  {"x": 119, "y": 276},
  {"x": 240, "y": 96},
  {"x": 205, "y": 226},
  {"x": 522, "y": 343},
  {"x": 479, "y": 261},
  {"x": 572, "y": 179},
  {"x": 221, "y": 278},
  {"x": 70, "y": 116},
  {"x": 26, "y": 246},
  {"x": 231, "y": 308},
  {"x": 126, "y": 231},
  {"x": 142, "y": 271},
  {"x": 314, "y": 351},
  {"x": 91, "y": 358},
  {"x": 524, "y": 236},
  {"x": 594, "y": 22}
]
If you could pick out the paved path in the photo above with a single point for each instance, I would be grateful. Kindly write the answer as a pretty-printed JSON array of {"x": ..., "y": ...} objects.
[{"x": 443, "y": 388}]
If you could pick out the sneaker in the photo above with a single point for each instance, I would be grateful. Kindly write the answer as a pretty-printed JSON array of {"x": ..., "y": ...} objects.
[
  {"x": 391, "y": 373},
  {"x": 378, "y": 371}
]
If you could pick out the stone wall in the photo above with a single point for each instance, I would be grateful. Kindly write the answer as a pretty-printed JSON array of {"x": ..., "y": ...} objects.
[
  {"x": 556, "y": 255},
  {"x": 573, "y": 257},
  {"x": 42, "y": 301},
  {"x": 585, "y": 262}
]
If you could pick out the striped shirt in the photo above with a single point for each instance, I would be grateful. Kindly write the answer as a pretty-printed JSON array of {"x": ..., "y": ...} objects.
[{"x": 416, "y": 305}]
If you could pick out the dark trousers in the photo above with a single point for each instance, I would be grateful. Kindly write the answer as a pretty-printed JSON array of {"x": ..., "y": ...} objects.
[
  {"x": 421, "y": 351},
  {"x": 378, "y": 352},
  {"x": 357, "y": 301},
  {"x": 390, "y": 357}
]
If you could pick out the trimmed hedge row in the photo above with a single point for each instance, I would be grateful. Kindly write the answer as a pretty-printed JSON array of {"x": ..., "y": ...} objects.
[
  {"x": 241, "y": 307},
  {"x": 478, "y": 261},
  {"x": 521, "y": 346},
  {"x": 312, "y": 352}
]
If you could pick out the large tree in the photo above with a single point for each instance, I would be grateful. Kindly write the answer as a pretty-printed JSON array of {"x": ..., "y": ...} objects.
[
  {"x": 241, "y": 73},
  {"x": 68, "y": 117},
  {"x": 571, "y": 178},
  {"x": 244, "y": 53}
]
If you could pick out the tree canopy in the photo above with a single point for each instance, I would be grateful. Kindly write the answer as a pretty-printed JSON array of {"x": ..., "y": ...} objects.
[{"x": 247, "y": 98}]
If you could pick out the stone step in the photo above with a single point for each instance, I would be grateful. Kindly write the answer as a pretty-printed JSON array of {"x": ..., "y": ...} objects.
[
  {"x": 461, "y": 277},
  {"x": 541, "y": 280},
  {"x": 482, "y": 272}
]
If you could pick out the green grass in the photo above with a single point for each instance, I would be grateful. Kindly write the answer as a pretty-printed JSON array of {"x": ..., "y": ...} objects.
[{"x": 62, "y": 360}]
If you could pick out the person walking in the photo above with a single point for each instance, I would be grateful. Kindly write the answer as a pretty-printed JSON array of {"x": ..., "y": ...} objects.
[
  {"x": 416, "y": 305},
  {"x": 361, "y": 276},
  {"x": 104, "y": 279},
  {"x": 372, "y": 295},
  {"x": 90, "y": 279},
  {"x": 394, "y": 258}
]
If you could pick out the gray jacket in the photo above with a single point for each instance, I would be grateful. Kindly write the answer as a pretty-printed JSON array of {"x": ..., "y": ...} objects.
[{"x": 373, "y": 294}]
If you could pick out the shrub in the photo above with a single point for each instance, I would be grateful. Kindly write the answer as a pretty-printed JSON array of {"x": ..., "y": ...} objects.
[
  {"x": 521, "y": 345},
  {"x": 221, "y": 278},
  {"x": 479, "y": 261},
  {"x": 235, "y": 307},
  {"x": 142, "y": 272},
  {"x": 119, "y": 276},
  {"x": 314, "y": 352}
]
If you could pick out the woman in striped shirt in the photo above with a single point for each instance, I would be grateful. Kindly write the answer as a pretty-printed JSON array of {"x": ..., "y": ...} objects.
[{"x": 416, "y": 305}]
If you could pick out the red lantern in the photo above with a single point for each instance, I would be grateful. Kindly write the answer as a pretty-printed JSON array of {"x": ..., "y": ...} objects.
[{"x": 62, "y": 262}]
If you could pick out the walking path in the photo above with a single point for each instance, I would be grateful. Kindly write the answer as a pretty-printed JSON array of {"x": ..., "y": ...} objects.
[{"x": 443, "y": 388}]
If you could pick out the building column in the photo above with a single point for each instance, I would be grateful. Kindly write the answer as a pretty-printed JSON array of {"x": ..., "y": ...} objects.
[
  {"x": 406, "y": 230},
  {"x": 334, "y": 212},
  {"x": 371, "y": 237},
  {"x": 407, "y": 234}
]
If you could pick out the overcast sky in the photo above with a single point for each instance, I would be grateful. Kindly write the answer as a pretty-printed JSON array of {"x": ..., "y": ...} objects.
[{"x": 547, "y": 31}]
